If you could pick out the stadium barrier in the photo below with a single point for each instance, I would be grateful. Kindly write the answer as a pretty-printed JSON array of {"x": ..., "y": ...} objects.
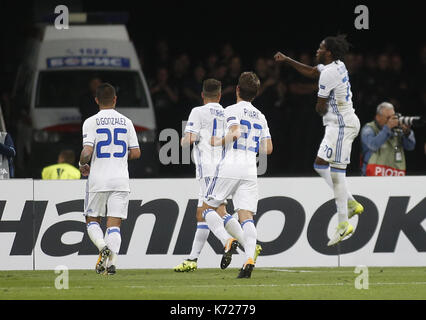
[{"x": 42, "y": 226}]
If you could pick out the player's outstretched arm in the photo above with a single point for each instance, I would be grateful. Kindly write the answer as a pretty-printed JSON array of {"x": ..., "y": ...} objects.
[{"x": 307, "y": 71}]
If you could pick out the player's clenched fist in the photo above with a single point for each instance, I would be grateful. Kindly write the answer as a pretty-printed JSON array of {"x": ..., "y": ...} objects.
[{"x": 279, "y": 56}]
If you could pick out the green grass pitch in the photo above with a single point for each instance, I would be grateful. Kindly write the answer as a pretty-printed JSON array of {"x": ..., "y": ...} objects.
[{"x": 214, "y": 284}]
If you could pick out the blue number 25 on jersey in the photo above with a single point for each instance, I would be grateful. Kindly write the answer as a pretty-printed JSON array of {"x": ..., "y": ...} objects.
[{"x": 109, "y": 140}]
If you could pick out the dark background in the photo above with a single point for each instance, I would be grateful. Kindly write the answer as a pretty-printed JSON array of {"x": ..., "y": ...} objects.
[{"x": 259, "y": 29}]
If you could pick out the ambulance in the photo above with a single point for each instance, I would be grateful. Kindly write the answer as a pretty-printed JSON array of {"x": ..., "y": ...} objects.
[{"x": 56, "y": 73}]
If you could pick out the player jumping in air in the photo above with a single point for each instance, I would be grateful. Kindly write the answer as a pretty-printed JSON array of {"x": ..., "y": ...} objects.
[
  {"x": 342, "y": 125},
  {"x": 109, "y": 140}
]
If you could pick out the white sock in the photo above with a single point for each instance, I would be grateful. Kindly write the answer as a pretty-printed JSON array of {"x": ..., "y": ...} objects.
[
  {"x": 200, "y": 239},
  {"x": 215, "y": 223},
  {"x": 113, "y": 241},
  {"x": 250, "y": 237},
  {"x": 324, "y": 172},
  {"x": 96, "y": 234},
  {"x": 338, "y": 177},
  {"x": 233, "y": 227}
]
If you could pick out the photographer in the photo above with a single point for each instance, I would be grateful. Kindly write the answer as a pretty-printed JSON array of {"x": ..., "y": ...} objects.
[{"x": 383, "y": 142}]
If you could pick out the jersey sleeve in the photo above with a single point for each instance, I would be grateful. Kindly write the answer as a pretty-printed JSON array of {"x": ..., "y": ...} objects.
[
  {"x": 193, "y": 125},
  {"x": 133, "y": 138},
  {"x": 326, "y": 83},
  {"x": 232, "y": 117},
  {"x": 88, "y": 133}
]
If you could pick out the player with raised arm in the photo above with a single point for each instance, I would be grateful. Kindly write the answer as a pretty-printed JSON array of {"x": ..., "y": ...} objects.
[
  {"x": 236, "y": 174},
  {"x": 334, "y": 104},
  {"x": 109, "y": 140},
  {"x": 203, "y": 123}
]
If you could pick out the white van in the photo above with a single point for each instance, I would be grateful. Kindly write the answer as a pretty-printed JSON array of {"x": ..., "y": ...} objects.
[{"x": 57, "y": 72}]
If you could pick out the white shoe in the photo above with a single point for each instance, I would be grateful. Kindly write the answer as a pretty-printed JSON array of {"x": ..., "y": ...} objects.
[{"x": 342, "y": 231}]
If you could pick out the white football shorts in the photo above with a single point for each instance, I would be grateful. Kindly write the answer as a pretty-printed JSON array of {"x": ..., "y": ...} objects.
[
  {"x": 204, "y": 183},
  {"x": 108, "y": 203},
  {"x": 336, "y": 145},
  {"x": 244, "y": 193}
]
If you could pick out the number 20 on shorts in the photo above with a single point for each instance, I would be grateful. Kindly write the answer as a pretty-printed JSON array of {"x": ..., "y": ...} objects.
[{"x": 328, "y": 151}]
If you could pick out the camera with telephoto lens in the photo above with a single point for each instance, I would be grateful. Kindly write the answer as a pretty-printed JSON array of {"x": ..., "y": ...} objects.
[{"x": 413, "y": 121}]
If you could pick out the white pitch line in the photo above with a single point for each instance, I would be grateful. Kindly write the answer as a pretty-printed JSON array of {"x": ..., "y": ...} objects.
[
  {"x": 235, "y": 285},
  {"x": 297, "y": 271},
  {"x": 397, "y": 283},
  {"x": 284, "y": 270}
]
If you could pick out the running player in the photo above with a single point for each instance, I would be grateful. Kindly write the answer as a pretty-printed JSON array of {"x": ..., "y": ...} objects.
[
  {"x": 109, "y": 140},
  {"x": 342, "y": 125},
  {"x": 203, "y": 123},
  {"x": 236, "y": 174}
]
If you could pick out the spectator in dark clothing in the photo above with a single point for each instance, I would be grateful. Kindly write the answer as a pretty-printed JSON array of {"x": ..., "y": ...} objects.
[
  {"x": 7, "y": 153},
  {"x": 165, "y": 98},
  {"x": 226, "y": 54},
  {"x": 193, "y": 87},
  {"x": 302, "y": 95},
  {"x": 87, "y": 104},
  {"x": 230, "y": 82},
  {"x": 211, "y": 64}
]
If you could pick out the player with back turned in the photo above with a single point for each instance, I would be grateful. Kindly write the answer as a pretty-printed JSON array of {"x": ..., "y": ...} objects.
[
  {"x": 109, "y": 140},
  {"x": 247, "y": 134},
  {"x": 334, "y": 104},
  {"x": 204, "y": 122}
]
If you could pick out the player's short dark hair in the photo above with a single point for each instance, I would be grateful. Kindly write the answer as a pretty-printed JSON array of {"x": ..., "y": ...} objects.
[
  {"x": 338, "y": 46},
  {"x": 105, "y": 94},
  {"x": 211, "y": 88},
  {"x": 68, "y": 156},
  {"x": 249, "y": 84}
]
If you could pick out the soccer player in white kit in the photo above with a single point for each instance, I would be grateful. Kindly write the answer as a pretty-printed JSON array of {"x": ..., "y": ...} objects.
[
  {"x": 109, "y": 140},
  {"x": 203, "y": 123},
  {"x": 236, "y": 174},
  {"x": 342, "y": 126}
]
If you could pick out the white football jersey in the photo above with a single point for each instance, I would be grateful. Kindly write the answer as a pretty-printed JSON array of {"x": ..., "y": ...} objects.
[
  {"x": 334, "y": 84},
  {"x": 206, "y": 121},
  {"x": 111, "y": 135},
  {"x": 239, "y": 158}
]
